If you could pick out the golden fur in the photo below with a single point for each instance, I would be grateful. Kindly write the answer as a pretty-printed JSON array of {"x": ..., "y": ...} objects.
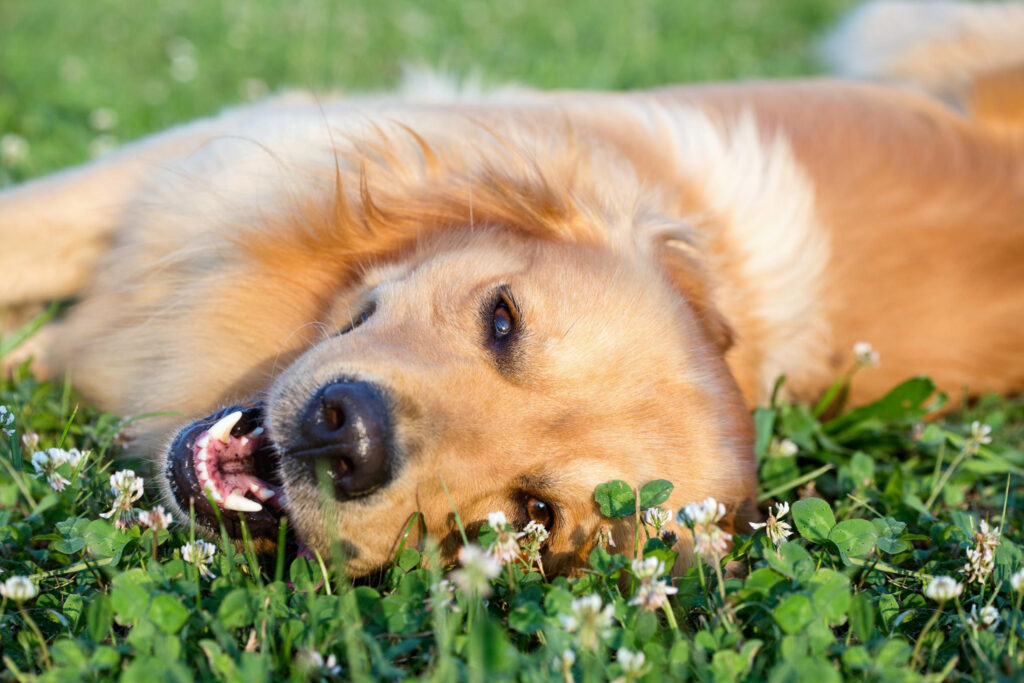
[{"x": 673, "y": 252}]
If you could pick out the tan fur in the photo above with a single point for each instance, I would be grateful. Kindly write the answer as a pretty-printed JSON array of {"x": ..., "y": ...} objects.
[{"x": 673, "y": 251}]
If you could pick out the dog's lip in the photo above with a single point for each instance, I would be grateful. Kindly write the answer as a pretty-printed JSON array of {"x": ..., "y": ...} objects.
[{"x": 187, "y": 484}]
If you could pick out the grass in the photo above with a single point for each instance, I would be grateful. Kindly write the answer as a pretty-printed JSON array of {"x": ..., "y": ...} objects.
[{"x": 881, "y": 503}]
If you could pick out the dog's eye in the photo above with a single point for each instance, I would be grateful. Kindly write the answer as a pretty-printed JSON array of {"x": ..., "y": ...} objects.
[
  {"x": 363, "y": 316},
  {"x": 540, "y": 512},
  {"x": 502, "y": 321}
]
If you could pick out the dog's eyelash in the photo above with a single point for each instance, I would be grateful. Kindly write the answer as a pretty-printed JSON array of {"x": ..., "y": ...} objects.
[{"x": 364, "y": 314}]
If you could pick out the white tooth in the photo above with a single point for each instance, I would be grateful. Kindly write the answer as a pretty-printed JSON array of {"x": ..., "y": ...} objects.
[
  {"x": 222, "y": 430},
  {"x": 202, "y": 455},
  {"x": 265, "y": 494},
  {"x": 202, "y": 441},
  {"x": 239, "y": 503},
  {"x": 256, "y": 432},
  {"x": 202, "y": 471},
  {"x": 243, "y": 442},
  {"x": 209, "y": 488}
]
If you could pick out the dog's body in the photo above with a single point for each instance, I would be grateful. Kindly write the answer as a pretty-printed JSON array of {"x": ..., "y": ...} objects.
[{"x": 559, "y": 289}]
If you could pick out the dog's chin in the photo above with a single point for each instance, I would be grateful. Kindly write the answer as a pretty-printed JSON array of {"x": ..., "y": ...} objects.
[{"x": 226, "y": 469}]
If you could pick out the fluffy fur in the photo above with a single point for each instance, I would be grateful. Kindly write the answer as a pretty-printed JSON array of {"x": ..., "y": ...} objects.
[{"x": 672, "y": 253}]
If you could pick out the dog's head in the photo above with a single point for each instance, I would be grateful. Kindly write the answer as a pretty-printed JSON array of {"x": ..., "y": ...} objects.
[{"x": 484, "y": 371}]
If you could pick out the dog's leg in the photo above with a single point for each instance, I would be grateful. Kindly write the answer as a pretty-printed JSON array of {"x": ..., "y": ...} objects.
[{"x": 53, "y": 230}]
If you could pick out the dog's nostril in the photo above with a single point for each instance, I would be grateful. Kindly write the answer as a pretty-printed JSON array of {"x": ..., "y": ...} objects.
[{"x": 334, "y": 418}]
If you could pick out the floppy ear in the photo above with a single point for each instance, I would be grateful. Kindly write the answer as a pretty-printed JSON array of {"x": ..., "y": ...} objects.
[{"x": 680, "y": 260}]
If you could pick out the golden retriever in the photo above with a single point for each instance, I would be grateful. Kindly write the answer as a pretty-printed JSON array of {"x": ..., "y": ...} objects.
[{"x": 500, "y": 303}]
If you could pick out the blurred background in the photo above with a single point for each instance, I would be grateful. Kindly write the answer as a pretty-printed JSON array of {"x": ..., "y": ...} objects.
[{"x": 79, "y": 77}]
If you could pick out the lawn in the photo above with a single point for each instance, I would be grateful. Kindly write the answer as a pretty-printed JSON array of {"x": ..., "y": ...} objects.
[{"x": 880, "y": 501}]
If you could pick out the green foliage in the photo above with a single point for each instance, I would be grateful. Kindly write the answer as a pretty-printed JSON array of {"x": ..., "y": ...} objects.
[{"x": 841, "y": 596}]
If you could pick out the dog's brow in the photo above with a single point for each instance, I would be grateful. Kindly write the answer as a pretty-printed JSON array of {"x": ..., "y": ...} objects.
[{"x": 535, "y": 483}]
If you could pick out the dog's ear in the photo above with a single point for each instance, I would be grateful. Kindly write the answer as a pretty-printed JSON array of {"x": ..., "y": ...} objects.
[{"x": 679, "y": 257}]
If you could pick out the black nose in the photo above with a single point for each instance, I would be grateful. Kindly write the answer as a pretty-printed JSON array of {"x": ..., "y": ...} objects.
[{"x": 346, "y": 430}]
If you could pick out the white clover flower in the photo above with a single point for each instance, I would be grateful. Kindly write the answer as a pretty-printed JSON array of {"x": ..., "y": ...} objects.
[
  {"x": 478, "y": 568},
  {"x": 6, "y": 421},
  {"x": 658, "y": 518},
  {"x": 505, "y": 546},
  {"x": 1017, "y": 581},
  {"x": 782, "y": 448},
  {"x": 534, "y": 535},
  {"x": 316, "y": 661},
  {"x": 127, "y": 488},
  {"x": 29, "y": 441},
  {"x": 45, "y": 463},
  {"x": 865, "y": 355},
  {"x": 648, "y": 568},
  {"x": 604, "y": 537},
  {"x": 981, "y": 432},
  {"x": 535, "y": 531},
  {"x": 943, "y": 588},
  {"x": 156, "y": 519},
  {"x": 590, "y": 620},
  {"x": 13, "y": 149},
  {"x": 711, "y": 542},
  {"x": 986, "y": 536},
  {"x": 981, "y": 435},
  {"x": 634, "y": 664},
  {"x": 777, "y": 531},
  {"x": 708, "y": 511},
  {"x": 103, "y": 119},
  {"x": 182, "y": 52},
  {"x": 981, "y": 559},
  {"x": 979, "y": 565},
  {"x": 18, "y": 589},
  {"x": 651, "y": 594},
  {"x": 987, "y": 617},
  {"x": 201, "y": 555}
]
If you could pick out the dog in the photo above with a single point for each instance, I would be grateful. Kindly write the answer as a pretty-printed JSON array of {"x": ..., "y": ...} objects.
[{"x": 368, "y": 311}]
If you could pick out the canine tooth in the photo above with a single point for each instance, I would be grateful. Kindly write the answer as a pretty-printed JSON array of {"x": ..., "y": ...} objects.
[
  {"x": 256, "y": 432},
  {"x": 265, "y": 494},
  {"x": 222, "y": 430},
  {"x": 239, "y": 503}
]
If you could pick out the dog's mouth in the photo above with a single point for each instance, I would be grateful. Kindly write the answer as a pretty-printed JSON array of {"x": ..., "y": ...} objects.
[{"x": 228, "y": 457}]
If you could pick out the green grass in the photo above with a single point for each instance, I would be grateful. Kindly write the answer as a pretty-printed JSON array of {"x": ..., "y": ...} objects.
[{"x": 842, "y": 597}]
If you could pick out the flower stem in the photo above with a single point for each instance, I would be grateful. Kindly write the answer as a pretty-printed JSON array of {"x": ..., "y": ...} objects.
[
  {"x": 39, "y": 634},
  {"x": 1011, "y": 647},
  {"x": 920, "y": 639},
  {"x": 671, "y": 617}
]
